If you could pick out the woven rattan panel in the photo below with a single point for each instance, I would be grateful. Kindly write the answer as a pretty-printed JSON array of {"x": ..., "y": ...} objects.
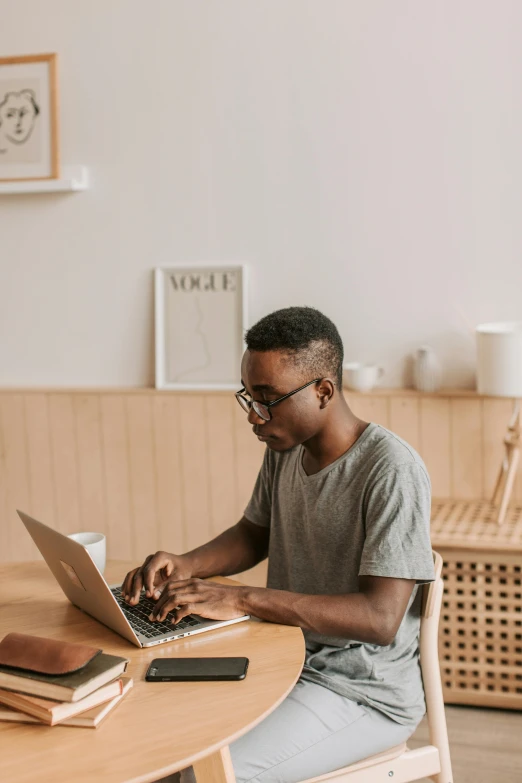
[
  {"x": 480, "y": 640},
  {"x": 472, "y": 523}
]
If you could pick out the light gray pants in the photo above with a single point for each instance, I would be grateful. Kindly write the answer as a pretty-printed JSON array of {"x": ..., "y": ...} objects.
[{"x": 313, "y": 731}]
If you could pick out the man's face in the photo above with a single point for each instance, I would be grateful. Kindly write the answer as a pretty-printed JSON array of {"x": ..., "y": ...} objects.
[{"x": 269, "y": 375}]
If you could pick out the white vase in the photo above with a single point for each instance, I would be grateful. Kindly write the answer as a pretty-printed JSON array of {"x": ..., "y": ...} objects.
[
  {"x": 499, "y": 359},
  {"x": 426, "y": 370}
]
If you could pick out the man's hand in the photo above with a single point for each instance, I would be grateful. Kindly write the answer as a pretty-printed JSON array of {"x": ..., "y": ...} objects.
[
  {"x": 155, "y": 572},
  {"x": 199, "y": 596}
]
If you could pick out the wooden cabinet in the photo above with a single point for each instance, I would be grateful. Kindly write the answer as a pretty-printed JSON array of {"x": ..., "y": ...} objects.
[{"x": 480, "y": 636}]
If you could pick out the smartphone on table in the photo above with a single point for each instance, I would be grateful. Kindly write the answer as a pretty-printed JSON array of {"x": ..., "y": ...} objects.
[{"x": 196, "y": 669}]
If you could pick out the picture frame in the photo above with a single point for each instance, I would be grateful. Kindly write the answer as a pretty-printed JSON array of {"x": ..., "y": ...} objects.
[
  {"x": 200, "y": 318},
  {"x": 29, "y": 140}
]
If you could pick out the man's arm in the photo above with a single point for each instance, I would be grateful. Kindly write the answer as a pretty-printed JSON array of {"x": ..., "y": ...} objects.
[
  {"x": 372, "y": 615},
  {"x": 235, "y": 550}
]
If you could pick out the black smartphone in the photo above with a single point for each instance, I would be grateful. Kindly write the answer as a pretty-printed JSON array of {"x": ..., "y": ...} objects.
[{"x": 196, "y": 669}]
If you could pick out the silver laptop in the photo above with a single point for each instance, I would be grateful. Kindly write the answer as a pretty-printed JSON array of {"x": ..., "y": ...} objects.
[{"x": 86, "y": 588}]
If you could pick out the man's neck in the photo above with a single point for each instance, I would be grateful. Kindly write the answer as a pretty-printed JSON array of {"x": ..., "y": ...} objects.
[{"x": 342, "y": 431}]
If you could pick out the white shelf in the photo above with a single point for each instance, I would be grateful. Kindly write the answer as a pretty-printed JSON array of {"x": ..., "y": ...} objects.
[{"x": 73, "y": 178}]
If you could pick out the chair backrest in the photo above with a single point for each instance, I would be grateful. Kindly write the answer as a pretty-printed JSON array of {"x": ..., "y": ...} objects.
[
  {"x": 429, "y": 760},
  {"x": 429, "y": 661},
  {"x": 430, "y": 590}
]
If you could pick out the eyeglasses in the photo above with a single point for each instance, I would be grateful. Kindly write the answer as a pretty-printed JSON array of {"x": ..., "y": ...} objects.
[{"x": 262, "y": 408}]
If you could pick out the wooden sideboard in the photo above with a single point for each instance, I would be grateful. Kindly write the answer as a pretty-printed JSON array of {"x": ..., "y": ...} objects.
[{"x": 480, "y": 632}]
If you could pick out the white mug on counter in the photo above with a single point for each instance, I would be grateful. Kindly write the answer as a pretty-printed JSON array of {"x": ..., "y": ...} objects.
[
  {"x": 95, "y": 544},
  {"x": 361, "y": 377}
]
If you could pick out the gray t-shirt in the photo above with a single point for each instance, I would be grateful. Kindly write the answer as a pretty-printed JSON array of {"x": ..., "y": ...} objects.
[{"x": 368, "y": 513}]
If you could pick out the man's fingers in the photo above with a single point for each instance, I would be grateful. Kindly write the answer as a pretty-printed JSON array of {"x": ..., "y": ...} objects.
[
  {"x": 159, "y": 588},
  {"x": 174, "y": 585},
  {"x": 166, "y": 604},
  {"x": 152, "y": 576},
  {"x": 151, "y": 567},
  {"x": 127, "y": 582},
  {"x": 157, "y": 570},
  {"x": 171, "y": 600},
  {"x": 135, "y": 589},
  {"x": 181, "y": 612}
]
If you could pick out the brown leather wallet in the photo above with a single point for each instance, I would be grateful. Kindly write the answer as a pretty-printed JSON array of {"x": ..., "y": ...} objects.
[{"x": 46, "y": 656}]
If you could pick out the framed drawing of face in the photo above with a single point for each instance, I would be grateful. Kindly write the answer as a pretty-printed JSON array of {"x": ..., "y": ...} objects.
[
  {"x": 29, "y": 117},
  {"x": 200, "y": 321}
]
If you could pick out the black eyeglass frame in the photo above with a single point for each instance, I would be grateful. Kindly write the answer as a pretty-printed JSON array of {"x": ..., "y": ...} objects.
[{"x": 253, "y": 403}]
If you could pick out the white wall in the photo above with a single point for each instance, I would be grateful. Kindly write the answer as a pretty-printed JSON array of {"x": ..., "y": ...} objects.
[{"x": 361, "y": 156}]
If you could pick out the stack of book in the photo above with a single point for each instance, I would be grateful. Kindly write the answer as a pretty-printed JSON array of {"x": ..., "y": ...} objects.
[{"x": 76, "y": 696}]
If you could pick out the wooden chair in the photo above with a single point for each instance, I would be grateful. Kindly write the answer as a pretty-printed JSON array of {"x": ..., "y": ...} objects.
[{"x": 399, "y": 764}]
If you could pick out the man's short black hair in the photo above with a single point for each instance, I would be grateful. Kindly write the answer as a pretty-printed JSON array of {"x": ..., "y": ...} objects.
[{"x": 307, "y": 336}]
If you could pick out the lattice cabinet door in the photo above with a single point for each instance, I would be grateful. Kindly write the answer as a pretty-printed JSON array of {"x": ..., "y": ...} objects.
[{"x": 480, "y": 637}]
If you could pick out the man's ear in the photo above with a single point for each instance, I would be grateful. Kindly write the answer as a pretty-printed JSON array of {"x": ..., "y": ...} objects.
[{"x": 326, "y": 391}]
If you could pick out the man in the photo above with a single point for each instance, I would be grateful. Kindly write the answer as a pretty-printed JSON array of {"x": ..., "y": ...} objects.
[{"x": 342, "y": 508}]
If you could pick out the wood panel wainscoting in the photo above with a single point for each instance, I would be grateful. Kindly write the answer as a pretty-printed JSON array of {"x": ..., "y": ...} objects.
[{"x": 170, "y": 470}]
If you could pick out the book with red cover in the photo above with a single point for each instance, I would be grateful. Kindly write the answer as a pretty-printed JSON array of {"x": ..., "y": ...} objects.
[
  {"x": 53, "y": 712},
  {"x": 90, "y": 719}
]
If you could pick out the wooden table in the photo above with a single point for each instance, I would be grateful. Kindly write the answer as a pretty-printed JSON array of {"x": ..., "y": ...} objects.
[{"x": 158, "y": 728}]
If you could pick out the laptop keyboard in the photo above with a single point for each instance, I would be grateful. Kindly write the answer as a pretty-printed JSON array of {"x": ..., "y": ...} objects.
[{"x": 138, "y": 617}]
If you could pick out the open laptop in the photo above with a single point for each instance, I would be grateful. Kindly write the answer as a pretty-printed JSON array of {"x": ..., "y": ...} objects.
[{"x": 85, "y": 587}]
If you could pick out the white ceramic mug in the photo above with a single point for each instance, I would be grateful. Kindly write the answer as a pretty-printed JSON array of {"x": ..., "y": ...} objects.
[
  {"x": 96, "y": 545},
  {"x": 361, "y": 377}
]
